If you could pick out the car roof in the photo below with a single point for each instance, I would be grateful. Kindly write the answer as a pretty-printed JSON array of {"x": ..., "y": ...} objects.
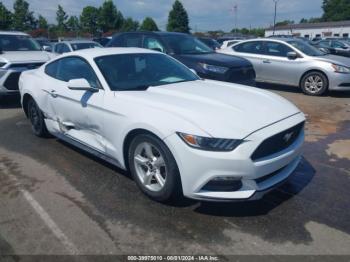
[
  {"x": 76, "y": 41},
  {"x": 159, "y": 33},
  {"x": 12, "y": 33},
  {"x": 97, "y": 52}
]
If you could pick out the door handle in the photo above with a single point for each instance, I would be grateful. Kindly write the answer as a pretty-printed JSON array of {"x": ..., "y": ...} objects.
[
  {"x": 266, "y": 61},
  {"x": 53, "y": 93}
]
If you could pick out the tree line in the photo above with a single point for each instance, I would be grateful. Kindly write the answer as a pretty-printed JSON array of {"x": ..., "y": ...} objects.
[{"x": 93, "y": 21}]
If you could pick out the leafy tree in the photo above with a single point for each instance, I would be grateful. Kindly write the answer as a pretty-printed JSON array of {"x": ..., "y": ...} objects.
[
  {"x": 336, "y": 10},
  {"x": 130, "y": 25},
  {"x": 285, "y": 22},
  {"x": 149, "y": 24},
  {"x": 23, "y": 19},
  {"x": 178, "y": 19},
  {"x": 303, "y": 21},
  {"x": 89, "y": 19},
  {"x": 73, "y": 24},
  {"x": 109, "y": 17},
  {"x": 42, "y": 22},
  {"x": 61, "y": 18},
  {"x": 5, "y": 18}
]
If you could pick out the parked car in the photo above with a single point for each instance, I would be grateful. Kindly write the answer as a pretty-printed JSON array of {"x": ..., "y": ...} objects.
[
  {"x": 74, "y": 45},
  {"x": 191, "y": 52},
  {"x": 290, "y": 61},
  {"x": 103, "y": 40},
  {"x": 222, "y": 39},
  {"x": 212, "y": 43},
  {"x": 335, "y": 47},
  {"x": 177, "y": 134},
  {"x": 18, "y": 52},
  {"x": 229, "y": 43},
  {"x": 45, "y": 44}
]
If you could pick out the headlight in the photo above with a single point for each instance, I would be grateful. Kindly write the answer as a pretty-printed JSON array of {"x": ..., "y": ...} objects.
[
  {"x": 341, "y": 69},
  {"x": 214, "y": 69},
  {"x": 209, "y": 143}
]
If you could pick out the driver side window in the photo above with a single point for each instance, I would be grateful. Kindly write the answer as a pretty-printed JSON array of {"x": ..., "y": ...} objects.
[
  {"x": 74, "y": 68},
  {"x": 153, "y": 44}
]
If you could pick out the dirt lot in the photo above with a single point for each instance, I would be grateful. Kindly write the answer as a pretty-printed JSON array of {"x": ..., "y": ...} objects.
[{"x": 54, "y": 199}]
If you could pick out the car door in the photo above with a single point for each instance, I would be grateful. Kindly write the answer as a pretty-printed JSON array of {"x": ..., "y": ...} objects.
[
  {"x": 253, "y": 51},
  {"x": 278, "y": 68},
  {"x": 79, "y": 114}
]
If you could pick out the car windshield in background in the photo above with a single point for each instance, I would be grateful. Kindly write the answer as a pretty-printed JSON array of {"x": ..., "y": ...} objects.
[
  {"x": 18, "y": 43},
  {"x": 306, "y": 48},
  {"x": 140, "y": 71},
  {"x": 80, "y": 46},
  {"x": 186, "y": 45}
]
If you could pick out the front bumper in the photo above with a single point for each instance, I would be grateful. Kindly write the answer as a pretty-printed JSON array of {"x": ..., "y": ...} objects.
[
  {"x": 339, "y": 82},
  {"x": 198, "y": 167}
]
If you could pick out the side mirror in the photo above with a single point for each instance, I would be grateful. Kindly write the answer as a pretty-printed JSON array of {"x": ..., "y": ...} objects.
[
  {"x": 324, "y": 50},
  {"x": 292, "y": 55},
  {"x": 81, "y": 84},
  {"x": 47, "y": 49}
]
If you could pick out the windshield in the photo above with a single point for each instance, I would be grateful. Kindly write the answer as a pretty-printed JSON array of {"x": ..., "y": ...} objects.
[
  {"x": 306, "y": 48},
  {"x": 79, "y": 46},
  {"x": 18, "y": 43},
  {"x": 139, "y": 71},
  {"x": 186, "y": 44}
]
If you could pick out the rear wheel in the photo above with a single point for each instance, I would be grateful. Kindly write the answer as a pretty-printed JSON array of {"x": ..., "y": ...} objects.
[
  {"x": 154, "y": 169},
  {"x": 36, "y": 118},
  {"x": 314, "y": 84}
]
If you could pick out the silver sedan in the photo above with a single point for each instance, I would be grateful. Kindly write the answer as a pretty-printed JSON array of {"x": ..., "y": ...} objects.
[{"x": 296, "y": 63}]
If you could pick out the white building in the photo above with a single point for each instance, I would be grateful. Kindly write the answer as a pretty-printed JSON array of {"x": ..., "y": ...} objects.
[{"x": 312, "y": 30}]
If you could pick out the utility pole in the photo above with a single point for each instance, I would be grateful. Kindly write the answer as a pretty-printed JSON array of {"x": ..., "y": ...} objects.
[
  {"x": 234, "y": 10},
  {"x": 274, "y": 20}
]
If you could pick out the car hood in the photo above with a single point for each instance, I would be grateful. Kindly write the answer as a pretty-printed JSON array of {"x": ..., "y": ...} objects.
[
  {"x": 217, "y": 59},
  {"x": 220, "y": 109},
  {"x": 335, "y": 59},
  {"x": 25, "y": 56}
]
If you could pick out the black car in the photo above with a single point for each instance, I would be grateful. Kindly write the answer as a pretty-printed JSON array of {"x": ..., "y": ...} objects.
[
  {"x": 191, "y": 52},
  {"x": 212, "y": 43},
  {"x": 335, "y": 47}
]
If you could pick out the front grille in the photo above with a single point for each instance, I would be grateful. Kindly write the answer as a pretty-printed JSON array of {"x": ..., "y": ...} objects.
[
  {"x": 278, "y": 143},
  {"x": 241, "y": 74},
  {"x": 11, "y": 82},
  {"x": 26, "y": 65}
]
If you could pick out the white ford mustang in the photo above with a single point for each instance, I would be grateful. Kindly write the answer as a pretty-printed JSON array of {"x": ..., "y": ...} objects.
[{"x": 177, "y": 134}]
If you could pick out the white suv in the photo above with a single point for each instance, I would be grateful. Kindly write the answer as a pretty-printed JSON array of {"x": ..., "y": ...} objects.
[{"x": 18, "y": 52}]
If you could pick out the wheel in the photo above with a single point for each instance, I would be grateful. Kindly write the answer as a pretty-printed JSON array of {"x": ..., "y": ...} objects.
[
  {"x": 37, "y": 119},
  {"x": 314, "y": 84},
  {"x": 154, "y": 168}
]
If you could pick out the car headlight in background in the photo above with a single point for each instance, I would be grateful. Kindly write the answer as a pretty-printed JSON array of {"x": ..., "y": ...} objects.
[
  {"x": 341, "y": 69},
  {"x": 214, "y": 68},
  {"x": 210, "y": 143}
]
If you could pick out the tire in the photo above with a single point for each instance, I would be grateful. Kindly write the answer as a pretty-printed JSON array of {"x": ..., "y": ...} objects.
[
  {"x": 314, "y": 84},
  {"x": 145, "y": 171},
  {"x": 36, "y": 118}
]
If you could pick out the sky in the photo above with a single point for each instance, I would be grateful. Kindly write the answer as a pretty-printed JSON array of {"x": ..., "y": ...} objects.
[{"x": 204, "y": 14}]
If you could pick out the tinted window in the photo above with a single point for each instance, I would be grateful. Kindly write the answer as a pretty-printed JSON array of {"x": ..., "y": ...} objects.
[
  {"x": 154, "y": 44},
  {"x": 337, "y": 44},
  {"x": 324, "y": 44},
  {"x": 139, "y": 71},
  {"x": 18, "y": 43},
  {"x": 306, "y": 48},
  {"x": 80, "y": 46},
  {"x": 250, "y": 47},
  {"x": 74, "y": 68},
  {"x": 186, "y": 44},
  {"x": 132, "y": 40},
  {"x": 65, "y": 48},
  {"x": 277, "y": 49},
  {"x": 51, "y": 69}
]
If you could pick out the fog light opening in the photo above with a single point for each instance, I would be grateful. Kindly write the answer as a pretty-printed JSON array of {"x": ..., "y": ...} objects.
[{"x": 223, "y": 184}]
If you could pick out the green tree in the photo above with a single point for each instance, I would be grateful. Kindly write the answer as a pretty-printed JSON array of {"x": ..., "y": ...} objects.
[
  {"x": 42, "y": 22},
  {"x": 285, "y": 22},
  {"x": 149, "y": 24},
  {"x": 109, "y": 17},
  {"x": 130, "y": 25},
  {"x": 303, "y": 21},
  {"x": 89, "y": 19},
  {"x": 73, "y": 24},
  {"x": 23, "y": 19},
  {"x": 336, "y": 10},
  {"x": 178, "y": 19},
  {"x": 61, "y": 18},
  {"x": 5, "y": 18}
]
